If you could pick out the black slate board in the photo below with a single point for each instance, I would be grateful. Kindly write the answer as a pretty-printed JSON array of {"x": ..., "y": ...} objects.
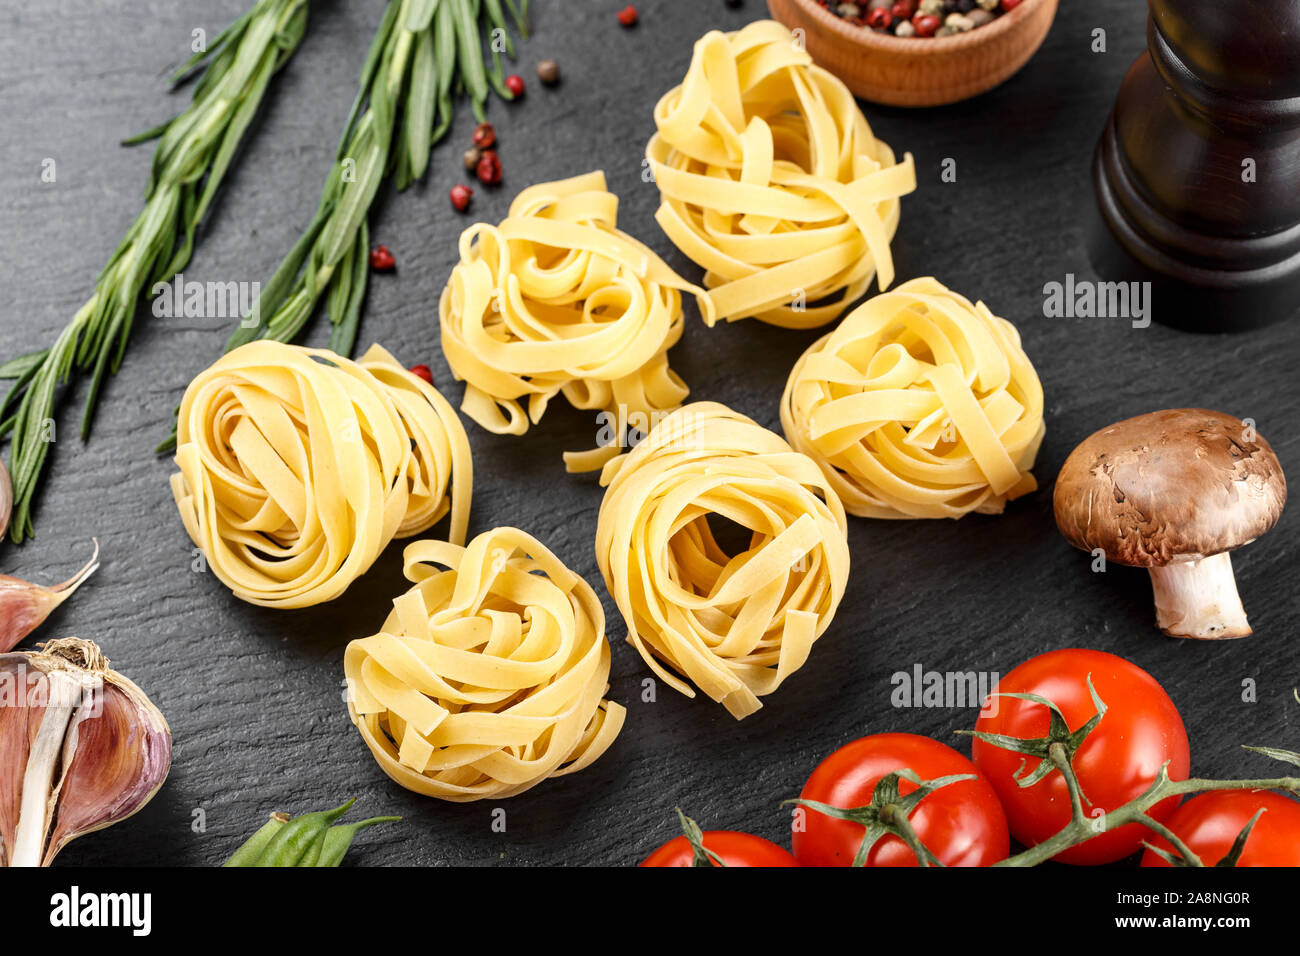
[{"x": 254, "y": 697}]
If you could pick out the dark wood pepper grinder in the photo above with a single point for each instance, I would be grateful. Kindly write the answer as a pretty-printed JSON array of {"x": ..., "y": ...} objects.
[{"x": 1197, "y": 174}]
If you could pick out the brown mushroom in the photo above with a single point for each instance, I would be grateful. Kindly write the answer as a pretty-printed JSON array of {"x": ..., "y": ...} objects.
[{"x": 1174, "y": 492}]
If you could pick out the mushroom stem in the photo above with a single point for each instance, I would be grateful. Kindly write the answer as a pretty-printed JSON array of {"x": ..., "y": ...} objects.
[{"x": 1199, "y": 599}]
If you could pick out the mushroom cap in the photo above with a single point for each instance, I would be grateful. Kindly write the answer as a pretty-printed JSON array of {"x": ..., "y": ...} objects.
[{"x": 1174, "y": 485}]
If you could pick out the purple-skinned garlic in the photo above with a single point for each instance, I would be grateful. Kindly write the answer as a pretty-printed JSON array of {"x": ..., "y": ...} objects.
[
  {"x": 81, "y": 748},
  {"x": 25, "y": 606}
]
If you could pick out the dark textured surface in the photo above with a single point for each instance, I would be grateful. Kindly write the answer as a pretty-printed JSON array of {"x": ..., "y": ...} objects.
[{"x": 254, "y": 697}]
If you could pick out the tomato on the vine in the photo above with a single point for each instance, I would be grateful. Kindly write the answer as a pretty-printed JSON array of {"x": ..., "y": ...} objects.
[
  {"x": 1209, "y": 823},
  {"x": 1117, "y": 762},
  {"x": 962, "y": 824},
  {"x": 734, "y": 849}
]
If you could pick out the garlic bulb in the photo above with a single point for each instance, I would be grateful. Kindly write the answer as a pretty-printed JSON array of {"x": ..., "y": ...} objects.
[
  {"x": 25, "y": 606},
  {"x": 81, "y": 747}
]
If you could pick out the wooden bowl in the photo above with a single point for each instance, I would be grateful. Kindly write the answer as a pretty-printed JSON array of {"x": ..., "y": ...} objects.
[{"x": 915, "y": 71}]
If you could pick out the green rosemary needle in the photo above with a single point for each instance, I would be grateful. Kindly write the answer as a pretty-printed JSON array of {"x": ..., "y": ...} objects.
[
  {"x": 193, "y": 153},
  {"x": 423, "y": 51}
]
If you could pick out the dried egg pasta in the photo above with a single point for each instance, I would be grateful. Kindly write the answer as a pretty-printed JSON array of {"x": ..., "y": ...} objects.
[
  {"x": 918, "y": 405},
  {"x": 772, "y": 181},
  {"x": 298, "y": 466},
  {"x": 734, "y": 626},
  {"x": 487, "y": 677},
  {"x": 557, "y": 299}
]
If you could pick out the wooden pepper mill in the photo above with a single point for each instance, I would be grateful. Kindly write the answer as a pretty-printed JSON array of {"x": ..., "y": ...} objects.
[{"x": 1198, "y": 171}]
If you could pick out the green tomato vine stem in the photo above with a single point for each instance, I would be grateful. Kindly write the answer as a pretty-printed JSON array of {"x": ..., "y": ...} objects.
[{"x": 1083, "y": 828}]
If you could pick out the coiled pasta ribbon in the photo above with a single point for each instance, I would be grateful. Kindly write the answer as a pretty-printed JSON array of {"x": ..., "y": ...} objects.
[
  {"x": 735, "y": 626},
  {"x": 298, "y": 466},
  {"x": 556, "y": 299},
  {"x": 918, "y": 405},
  {"x": 771, "y": 179},
  {"x": 487, "y": 677}
]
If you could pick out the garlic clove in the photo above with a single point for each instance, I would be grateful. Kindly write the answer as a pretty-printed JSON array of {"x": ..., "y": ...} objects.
[
  {"x": 17, "y": 725},
  {"x": 114, "y": 765},
  {"x": 81, "y": 748},
  {"x": 25, "y": 606}
]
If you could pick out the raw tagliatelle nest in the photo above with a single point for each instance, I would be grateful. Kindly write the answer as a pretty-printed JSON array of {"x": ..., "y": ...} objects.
[
  {"x": 734, "y": 625},
  {"x": 918, "y": 405},
  {"x": 488, "y": 676},
  {"x": 771, "y": 179},
  {"x": 298, "y": 466},
  {"x": 557, "y": 299}
]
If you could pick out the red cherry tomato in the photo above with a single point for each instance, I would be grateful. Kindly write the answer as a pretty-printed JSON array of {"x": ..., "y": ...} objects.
[
  {"x": 1209, "y": 823},
  {"x": 1121, "y": 757},
  {"x": 735, "y": 849},
  {"x": 962, "y": 824}
]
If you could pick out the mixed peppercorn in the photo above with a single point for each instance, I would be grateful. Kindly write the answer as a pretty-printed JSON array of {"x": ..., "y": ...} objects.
[{"x": 920, "y": 18}]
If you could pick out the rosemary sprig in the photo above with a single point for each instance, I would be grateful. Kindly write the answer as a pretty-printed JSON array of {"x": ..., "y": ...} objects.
[
  {"x": 193, "y": 154},
  {"x": 422, "y": 53}
]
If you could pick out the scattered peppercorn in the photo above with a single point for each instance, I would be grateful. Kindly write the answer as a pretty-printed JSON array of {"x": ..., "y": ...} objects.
[
  {"x": 488, "y": 169},
  {"x": 548, "y": 71},
  {"x": 423, "y": 371},
  {"x": 460, "y": 195},
  {"x": 381, "y": 260},
  {"x": 919, "y": 18},
  {"x": 484, "y": 136},
  {"x": 515, "y": 84},
  {"x": 471, "y": 158},
  {"x": 926, "y": 24},
  {"x": 627, "y": 16}
]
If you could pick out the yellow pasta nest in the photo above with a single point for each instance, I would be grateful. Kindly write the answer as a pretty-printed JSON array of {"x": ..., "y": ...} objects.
[
  {"x": 298, "y": 466},
  {"x": 772, "y": 181},
  {"x": 735, "y": 626},
  {"x": 918, "y": 405},
  {"x": 487, "y": 677},
  {"x": 556, "y": 299}
]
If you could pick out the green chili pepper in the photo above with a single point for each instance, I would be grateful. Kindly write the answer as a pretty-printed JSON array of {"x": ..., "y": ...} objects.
[
  {"x": 253, "y": 847},
  {"x": 294, "y": 839},
  {"x": 309, "y": 840},
  {"x": 339, "y": 838},
  {"x": 312, "y": 855}
]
